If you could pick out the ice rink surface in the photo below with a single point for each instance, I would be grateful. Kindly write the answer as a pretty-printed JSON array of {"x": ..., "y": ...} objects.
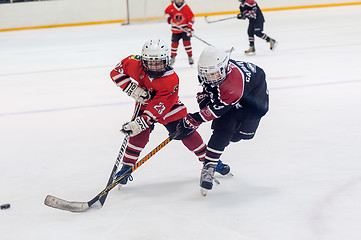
[{"x": 298, "y": 179}]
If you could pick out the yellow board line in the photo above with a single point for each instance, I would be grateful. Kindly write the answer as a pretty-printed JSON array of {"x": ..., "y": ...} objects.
[{"x": 160, "y": 18}]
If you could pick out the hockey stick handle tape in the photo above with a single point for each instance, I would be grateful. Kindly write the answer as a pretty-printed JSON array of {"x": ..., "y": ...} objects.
[{"x": 5, "y": 206}]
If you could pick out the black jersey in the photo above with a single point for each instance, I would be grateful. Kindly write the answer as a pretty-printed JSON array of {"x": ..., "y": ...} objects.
[
  {"x": 244, "y": 87},
  {"x": 250, "y": 9}
]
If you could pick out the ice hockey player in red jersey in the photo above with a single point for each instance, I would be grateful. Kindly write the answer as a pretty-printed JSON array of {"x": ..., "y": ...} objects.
[
  {"x": 154, "y": 84},
  {"x": 234, "y": 98},
  {"x": 249, "y": 9},
  {"x": 181, "y": 18}
]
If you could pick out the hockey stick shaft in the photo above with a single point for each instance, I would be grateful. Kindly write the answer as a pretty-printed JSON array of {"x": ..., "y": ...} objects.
[
  {"x": 184, "y": 30},
  {"x": 229, "y": 50},
  {"x": 219, "y": 20},
  {"x": 200, "y": 39},
  {"x": 135, "y": 167},
  {"x": 58, "y": 203},
  {"x": 120, "y": 154}
]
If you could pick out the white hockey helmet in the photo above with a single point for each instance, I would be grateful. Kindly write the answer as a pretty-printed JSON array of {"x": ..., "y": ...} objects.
[
  {"x": 212, "y": 66},
  {"x": 155, "y": 57}
]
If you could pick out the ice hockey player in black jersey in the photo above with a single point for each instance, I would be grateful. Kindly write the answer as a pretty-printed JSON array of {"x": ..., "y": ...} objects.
[
  {"x": 249, "y": 9},
  {"x": 234, "y": 98}
]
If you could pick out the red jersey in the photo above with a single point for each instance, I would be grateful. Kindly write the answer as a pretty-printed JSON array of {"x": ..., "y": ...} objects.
[
  {"x": 180, "y": 17},
  {"x": 164, "y": 106}
]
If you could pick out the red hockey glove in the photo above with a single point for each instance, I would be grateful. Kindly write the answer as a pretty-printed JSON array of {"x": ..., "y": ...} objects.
[{"x": 169, "y": 18}]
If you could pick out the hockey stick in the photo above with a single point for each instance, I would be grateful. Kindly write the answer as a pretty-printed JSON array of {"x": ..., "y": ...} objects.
[
  {"x": 200, "y": 39},
  {"x": 120, "y": 154},
  {"x": 61, "y": 204},
  {"x": 184, "y": 30},
  {"x": 219, "y": 20}
]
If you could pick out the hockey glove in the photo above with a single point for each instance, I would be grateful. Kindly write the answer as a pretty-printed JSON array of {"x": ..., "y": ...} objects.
[
  {"x": 203, "y": 99},
  {"x": 186, "y": 126},
  {"x": 135, "y": 127},
  {"x": 168, "y": 18},
  {"x": 241, "y": 16},
  {"x": 189, "y": 32},
  {"x": 190, "y": 123},
  {"x": 136, "y": 92}
]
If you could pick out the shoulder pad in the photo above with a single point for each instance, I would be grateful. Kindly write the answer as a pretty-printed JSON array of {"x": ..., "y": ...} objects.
[{"x": 135, "y": 57}]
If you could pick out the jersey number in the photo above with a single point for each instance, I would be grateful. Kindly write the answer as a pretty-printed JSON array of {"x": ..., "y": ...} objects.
[{"x": 159, "y": 108}]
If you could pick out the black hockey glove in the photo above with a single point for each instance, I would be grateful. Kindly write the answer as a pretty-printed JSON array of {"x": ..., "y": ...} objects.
[
  {"x": 189, "y": 122},
  {"x": 203, "y": 99},
  {"x": 241, "y": 16},
  {"x": 187, "y": 126}
]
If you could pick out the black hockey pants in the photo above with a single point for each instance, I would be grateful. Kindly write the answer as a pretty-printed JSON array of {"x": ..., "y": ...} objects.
[
  {"x": 240, "y": 123},
  {"x": 233, "y": 126}
]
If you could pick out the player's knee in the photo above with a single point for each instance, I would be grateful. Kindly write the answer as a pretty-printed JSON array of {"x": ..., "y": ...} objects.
[
  {"x": 242, "y": 136},
  {"x": 220, "y": 139},
  {"x": 258, "y": 34}
]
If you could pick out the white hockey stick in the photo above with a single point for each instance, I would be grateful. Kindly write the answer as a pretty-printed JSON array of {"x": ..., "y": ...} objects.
[
  {"x": 200, "y": 39},
  {"x": 219, "y": 20}
]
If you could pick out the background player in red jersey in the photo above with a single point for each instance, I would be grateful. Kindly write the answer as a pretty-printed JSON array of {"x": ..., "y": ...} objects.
[
  {"x": 181, "y": 18},
  {"x": 249, "y": 9},
  {"x": 155, "y": 86},
  {"x": 234, "y": 98}
]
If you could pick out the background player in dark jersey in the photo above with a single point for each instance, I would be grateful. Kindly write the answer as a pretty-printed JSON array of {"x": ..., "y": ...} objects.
[
  {"x": 154, "y": 84},
  {"x": 181, "y": 18},
  {"x": 249, "y": 9},
  {"x": 234, "y": 98}
]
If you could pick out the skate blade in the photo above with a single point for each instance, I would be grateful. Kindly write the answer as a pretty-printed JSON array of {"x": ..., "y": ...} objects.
[
  {"x": 230, "y": 174},
  {"x": 250, "y": 54},
  {"x": 204, "y": 191},
  {"x": 274, "y": 46}
]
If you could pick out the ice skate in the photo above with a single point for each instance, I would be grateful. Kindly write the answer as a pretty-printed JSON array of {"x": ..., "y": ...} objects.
[
  {"x": 190, "y": 60},
  {"x": 250, "y": 51},
  {"x": 207, "y": 176},
  {"x": 171, "y": 61},
  {"x": 223, "y": 169},
  {"x": 273, "y": 44},
  {"x": 125, "y": 168}
]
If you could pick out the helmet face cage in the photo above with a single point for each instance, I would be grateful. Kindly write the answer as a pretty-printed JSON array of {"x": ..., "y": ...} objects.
[
  {"x": 155, "y": 59},
  {"x": 212, "y": 66},
  {"x": 179, "y": 3},
  {"x": 210, "y": 77}
]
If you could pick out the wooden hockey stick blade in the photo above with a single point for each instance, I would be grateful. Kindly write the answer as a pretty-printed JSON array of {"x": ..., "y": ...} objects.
[
  {"x": 61, "y": 204},
  {"x": 97, "y": 202}
]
